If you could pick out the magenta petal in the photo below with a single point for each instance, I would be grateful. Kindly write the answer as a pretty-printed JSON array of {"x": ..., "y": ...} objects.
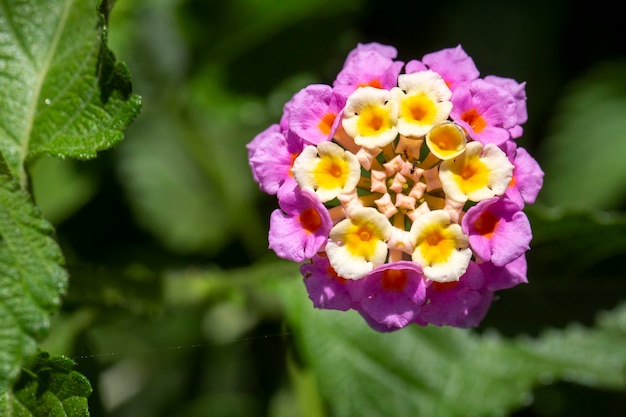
[
  {"x": 261, "y": 137},
  {"x": 453, "y": 64},
  {"x": 270, "y": 159},
  {"x": 517, "y": 90},
  {"x": 368, "y": 67},
  {"x": 507, "y": 276},
  {"x": 310, "y": 106},
  {"x": 393, "y": 303},
  {"x": 282, "y": 227},
  {"x": 288, "y": 237},
  {"x": 392, "y": 311},
  {"x": 452, "y": 303},
  {"x": 510, "y": 237},
  {"x": 375, "y": 325},
  {"x": 528, "y": 175},
  {"x": 326, "y": 290},
  {"x": 414, "y": 66},
  {"x": 495, "y": 105},
  {"x": 386, "y": 51},
  {"x": 478, "y": 313}
]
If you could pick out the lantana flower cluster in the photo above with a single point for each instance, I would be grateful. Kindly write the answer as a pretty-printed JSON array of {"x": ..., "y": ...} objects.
[{"x": 401, "y": 187}]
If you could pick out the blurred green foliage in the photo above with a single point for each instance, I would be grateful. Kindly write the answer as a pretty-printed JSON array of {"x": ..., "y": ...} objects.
[{"x": 177, "y": 308}]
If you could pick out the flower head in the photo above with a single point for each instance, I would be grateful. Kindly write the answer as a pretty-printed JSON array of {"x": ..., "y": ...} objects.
[{"x": 404, "y": 191}]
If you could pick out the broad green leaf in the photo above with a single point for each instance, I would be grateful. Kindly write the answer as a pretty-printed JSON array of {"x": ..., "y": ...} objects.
[
  {"x": 433, "y": 371},
  {"x": 583, "y": 157},
  {"x": 51, "y": 388},
  {"x": 62, "y": 91},
  {"x": 32, "y": 278}
]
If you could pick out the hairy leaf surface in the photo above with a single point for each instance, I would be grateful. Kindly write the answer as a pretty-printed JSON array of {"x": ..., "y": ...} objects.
[
  {"x": 51, "y": 388},
  {"x": 32, "y": 278},
  {"x": 62, "y": 91}
]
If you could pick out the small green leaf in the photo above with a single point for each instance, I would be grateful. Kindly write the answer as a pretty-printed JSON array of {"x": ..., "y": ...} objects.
[
  {"x": 63, "y": 94},
  {"x": 32, "y": 278},
  {"x": 584, "y": 156},
  {"x": 51, "y": 388}
]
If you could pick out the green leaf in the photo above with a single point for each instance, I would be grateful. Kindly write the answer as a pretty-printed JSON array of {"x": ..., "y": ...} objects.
[
  {"x": 584, "y": 156},
  {"x": 50, "y": 388},
  {"x": 32, "y": 278},
  {"x": 449, "y": 372},
  {"x": 63, "y": 94}
]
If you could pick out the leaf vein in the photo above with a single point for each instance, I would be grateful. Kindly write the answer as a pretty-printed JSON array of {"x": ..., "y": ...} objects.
[{"x": 38, "y": 87}]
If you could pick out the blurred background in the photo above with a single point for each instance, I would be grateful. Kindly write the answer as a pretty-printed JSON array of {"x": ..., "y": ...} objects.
[{"x": 166, "y": 235}]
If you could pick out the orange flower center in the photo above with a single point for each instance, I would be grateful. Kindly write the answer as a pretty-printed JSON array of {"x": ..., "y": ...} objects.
[
  {"x": 486, "y": 224},
  {"x": 394, "y": 280},
  {"x": 326, "y": 124},
  {"x": 373, "y": 83},
  {"x": 364, "y": 234},
  {"x": 475, "y": 120},
  {"x": 310, "y": 220}
]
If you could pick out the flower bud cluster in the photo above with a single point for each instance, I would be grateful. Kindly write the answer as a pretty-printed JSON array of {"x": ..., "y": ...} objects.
[{"x": 402, "y": 187}]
